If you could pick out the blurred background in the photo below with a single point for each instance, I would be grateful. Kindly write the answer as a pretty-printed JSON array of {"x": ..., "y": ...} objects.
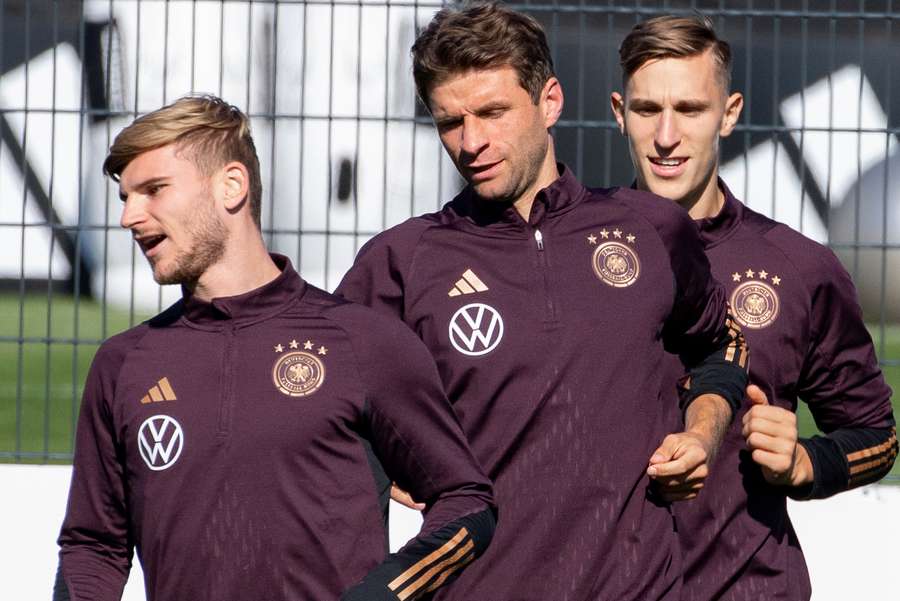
[{"x": 346, "y": 150}]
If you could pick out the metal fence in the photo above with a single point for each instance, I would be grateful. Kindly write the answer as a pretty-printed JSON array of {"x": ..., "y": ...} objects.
[{"x": 346, "y": 150}]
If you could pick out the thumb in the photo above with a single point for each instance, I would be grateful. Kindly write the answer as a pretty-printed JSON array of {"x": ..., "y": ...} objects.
[
  {"x": 664, "y": 452},
  {"x": 756, "y": 395}
]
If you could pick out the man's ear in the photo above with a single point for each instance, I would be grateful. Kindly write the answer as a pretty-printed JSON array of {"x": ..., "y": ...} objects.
[
  {"x": 733, "y": 106},
  {"x": 552, "y": 101},
  {"x": 617, "y": 103},
  {"x": 235, "y": 182}
]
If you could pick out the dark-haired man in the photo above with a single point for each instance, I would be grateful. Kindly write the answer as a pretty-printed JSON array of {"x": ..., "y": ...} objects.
[
  {"x": 547, "y": 307},
  {"x": 229, "y": 439},
  {"x": 798, "y": 310}
]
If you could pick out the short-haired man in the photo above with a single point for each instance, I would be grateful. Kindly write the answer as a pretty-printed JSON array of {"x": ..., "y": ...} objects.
[
  {"x": 798, "y": 310},
  {"x": 229, "y": 439},
  {"x": 547, "y": 307}
]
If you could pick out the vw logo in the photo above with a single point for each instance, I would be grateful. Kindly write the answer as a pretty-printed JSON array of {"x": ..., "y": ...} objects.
[
  {"x": 160, "y": 441},
  {"x": 476, "y": 329}
]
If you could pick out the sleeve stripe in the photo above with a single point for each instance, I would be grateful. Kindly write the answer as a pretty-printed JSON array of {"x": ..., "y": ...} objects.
[
  {"x": 423, "y": 563},
  {"x": 417, "y": 586},
  {"x": 874, "y": 469},
  {"x": 447, "y": 573},
  {"x": 737, "y": 348},
  {"x": 876, "y": 450}
]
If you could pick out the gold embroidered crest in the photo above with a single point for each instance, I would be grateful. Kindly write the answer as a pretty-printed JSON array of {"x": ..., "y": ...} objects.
[
  {"x": 754, "y": 302},
  {"x": 614, "y": 262},
  {"x": 299, "y": 373}
]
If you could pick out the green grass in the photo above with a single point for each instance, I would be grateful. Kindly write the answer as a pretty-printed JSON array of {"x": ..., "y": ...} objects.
[
  {"x": 41, "y": 378},
  {"x": 46, "y": 348}
]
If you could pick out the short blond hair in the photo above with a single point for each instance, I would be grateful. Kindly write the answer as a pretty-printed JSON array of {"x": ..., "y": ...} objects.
[{"x": 206, "y": 130}]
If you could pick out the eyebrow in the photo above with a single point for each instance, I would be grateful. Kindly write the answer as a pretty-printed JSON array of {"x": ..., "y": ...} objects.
[
  {"x": 691, "y": 104},
  {"x": 143, "y": 185}
]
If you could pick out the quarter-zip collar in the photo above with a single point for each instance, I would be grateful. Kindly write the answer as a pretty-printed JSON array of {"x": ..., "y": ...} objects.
[
  {"x": 249, "y": 307},
  {"x": 560, "y": 196},
  {"x": 714, "y": 230}
]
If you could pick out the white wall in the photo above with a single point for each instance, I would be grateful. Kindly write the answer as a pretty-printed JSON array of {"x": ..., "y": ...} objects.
[{"x": 849, "y": 540}]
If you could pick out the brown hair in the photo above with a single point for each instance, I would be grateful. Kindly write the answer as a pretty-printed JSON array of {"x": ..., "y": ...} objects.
[
  {"x": 481, "y": 36},
  {"x": 207, "y": 129},
  {"x": 674, "y": 37}
]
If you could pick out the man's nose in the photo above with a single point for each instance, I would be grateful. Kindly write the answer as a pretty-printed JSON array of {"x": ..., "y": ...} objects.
[
  {"x": 133, "y": 212},
  {"x": 474, "y": 136},
  {"x": 668, "y": 134}
]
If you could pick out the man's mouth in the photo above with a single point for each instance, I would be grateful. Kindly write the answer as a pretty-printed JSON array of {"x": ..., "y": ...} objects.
[
  {"x": 667, "y": 167},
  {"x": 482, "y": 171},
  {"x": 150, "y": 242}
]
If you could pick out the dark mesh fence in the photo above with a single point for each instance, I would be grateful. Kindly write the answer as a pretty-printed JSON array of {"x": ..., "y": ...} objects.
[{"x": 346, "y": 150}]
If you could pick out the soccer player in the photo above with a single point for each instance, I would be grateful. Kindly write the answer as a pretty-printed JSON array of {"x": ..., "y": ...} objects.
[
  {"x": 230, "y": 439},
  {"x": 798, "y": 310},
  {"x": 547, "y": 307}
]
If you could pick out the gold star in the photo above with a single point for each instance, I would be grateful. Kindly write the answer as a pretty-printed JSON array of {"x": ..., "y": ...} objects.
[
  {"x": 617, "y": 233},
  {"x": 735, "y": 277},
  {"x": 763, "y": 274},
  {"x": 294, "y": 344},
  {"x": 278, "y": 348},
  {"x": 308, "y": 345},
  {"x": 604, "y": 234},
  {"x": 749, "y": 273},
  {"x": 776, "y": 280},
  {"x": 630, "y": 238},
  {"x": 323, "y": 350},
  {"x": 592, "y": 239}
]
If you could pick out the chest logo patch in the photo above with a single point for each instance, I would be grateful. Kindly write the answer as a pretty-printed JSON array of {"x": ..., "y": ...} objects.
[
  {"x": 301, "y": 372},
  {"x": 614, "y": 261},
  {"x": 160, "y": 442},
  {"x": 754, "y": 301},
  {"x": 476, "y": 329}
]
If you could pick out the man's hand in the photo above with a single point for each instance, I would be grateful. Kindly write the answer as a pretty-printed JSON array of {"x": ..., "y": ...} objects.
[
  {"x": 771, "y": 435},
  {"x": 679, "y": 466},
  {"x": 404, "y": 498}
]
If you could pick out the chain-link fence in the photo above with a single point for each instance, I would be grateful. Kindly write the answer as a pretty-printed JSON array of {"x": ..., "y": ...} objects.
[{"x": 346, "y": 150}]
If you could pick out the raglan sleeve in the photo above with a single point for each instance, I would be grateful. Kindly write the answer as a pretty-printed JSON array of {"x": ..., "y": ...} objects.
[
  {"x": 95, "y": 542},
  {"x": 701, "y": 329},
  {"x": 417, "y": 438},
  {"x": 844, "y": 388},
  {"x": 379, "y": 273}
]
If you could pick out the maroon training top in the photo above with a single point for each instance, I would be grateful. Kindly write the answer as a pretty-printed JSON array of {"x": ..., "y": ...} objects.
[
  {"x": 230, "y": 443},
  {"x": 798, "y": 310},
  {"x": 549, "y": 338}
]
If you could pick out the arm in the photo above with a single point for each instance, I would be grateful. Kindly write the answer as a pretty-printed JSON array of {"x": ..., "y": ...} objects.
[
  {"x": 702, "y": 331},
  {"x": 846, "y": 393},
  {"x": 95, "y": 546},
  {"x": 420, "y": 444}
]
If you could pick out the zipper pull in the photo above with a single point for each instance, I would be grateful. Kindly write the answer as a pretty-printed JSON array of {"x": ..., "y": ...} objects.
[{"x": 539, "y": 238}]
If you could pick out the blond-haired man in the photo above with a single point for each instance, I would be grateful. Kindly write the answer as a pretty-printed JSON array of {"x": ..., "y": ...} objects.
[{"x": 230, "y": 439}]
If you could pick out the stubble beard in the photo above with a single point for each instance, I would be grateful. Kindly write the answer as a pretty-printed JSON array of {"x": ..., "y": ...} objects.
[{"x": 209, "y": 235}]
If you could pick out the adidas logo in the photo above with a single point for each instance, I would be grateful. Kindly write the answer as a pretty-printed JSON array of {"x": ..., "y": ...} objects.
[
  {"x": 469, "y": 283},
  {"x": 161, "y": 392}
]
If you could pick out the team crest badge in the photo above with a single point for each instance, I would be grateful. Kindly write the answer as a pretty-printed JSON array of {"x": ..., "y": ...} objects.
[
  {"x": 299, "y": 372},
  {"x": 614, "y": 260},
  {"x": 755, "y": 302}
]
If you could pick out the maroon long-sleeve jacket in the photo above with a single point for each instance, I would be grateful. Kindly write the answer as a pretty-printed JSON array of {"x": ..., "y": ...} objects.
[
  {"x": 232, "y": 444},
  {"x": 798, "y": 310},
  {"x": 549, "y": 336}
]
